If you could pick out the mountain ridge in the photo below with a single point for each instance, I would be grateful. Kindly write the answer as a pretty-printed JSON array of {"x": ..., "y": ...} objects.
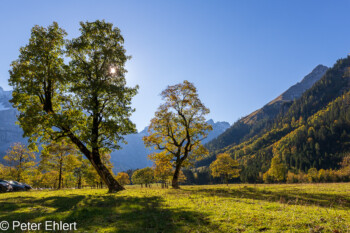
[
  {"x": 289, "y": 95},
  {"x": 254, "y": 123},
  {"x": 312, "y": 133}
]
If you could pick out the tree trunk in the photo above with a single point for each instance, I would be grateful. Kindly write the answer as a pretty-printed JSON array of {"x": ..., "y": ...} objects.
[
  {"x": 93, "y": 156},
  {"x": 175, "y": 182},
  {"x": 105, "y": 174},
  {"x": 95, "y": 159},
  {"x": 19, "y": 176},
  {"x": 79, "y": 182},
  {"x": 60, "y": 176},
  {"x": 20, "y": 168}
]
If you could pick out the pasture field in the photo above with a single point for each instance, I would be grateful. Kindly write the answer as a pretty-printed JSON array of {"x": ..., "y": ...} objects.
[{"x": 207, "y": 208}]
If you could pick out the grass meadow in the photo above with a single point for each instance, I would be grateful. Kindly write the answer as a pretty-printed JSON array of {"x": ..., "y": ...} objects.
[{"x": 207, "y": 208}]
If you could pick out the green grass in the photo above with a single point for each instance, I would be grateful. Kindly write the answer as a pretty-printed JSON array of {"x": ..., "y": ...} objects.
[{"x": 209, "y": 208}]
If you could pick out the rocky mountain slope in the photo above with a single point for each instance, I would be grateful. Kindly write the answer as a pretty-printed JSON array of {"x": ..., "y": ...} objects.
[
  {"x": 256, "y": 122},
  {"x": 282, "y": 102},
  {"x": 312, "y": 133},
  {"x": 9, "y": 131}
]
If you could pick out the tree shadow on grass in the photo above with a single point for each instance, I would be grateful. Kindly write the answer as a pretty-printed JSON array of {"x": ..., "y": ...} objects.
[
  {"x": 111, "y": 213},
  {"x": 26, "y": 209},
  {"x": 139, "y": 214},
  {"x": 291, "y": 197}
]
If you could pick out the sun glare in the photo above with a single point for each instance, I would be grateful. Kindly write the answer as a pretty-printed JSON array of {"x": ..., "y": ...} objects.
[{"x": 113, "y": 70}]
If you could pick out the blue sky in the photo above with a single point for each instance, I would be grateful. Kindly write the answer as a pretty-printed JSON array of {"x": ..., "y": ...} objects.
[{"x": 239, "y": 54}]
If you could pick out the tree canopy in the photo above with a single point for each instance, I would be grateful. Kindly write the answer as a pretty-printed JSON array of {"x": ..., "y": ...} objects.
[
  {"x": 60, "y": 157},
  {"x": 19, "y": 159},
  {"x": 224, "y": 166},
  {"x": 123, "y": 178},
  {"x": 179, "y": 127},
  {"x": 85, "y": 100},
  {"x": 143, "y": 176}
]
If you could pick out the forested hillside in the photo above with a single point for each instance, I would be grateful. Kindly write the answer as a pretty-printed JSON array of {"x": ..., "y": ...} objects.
[
  {"x": 256, "y": 122},
  {"x": 312, "y": 133}
]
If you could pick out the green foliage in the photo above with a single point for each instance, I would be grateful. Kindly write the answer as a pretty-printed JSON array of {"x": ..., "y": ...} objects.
[
  {"x": 20, "y": 161},
  {"x": 61, "y": 166},
  {"x": 232, "y": 136},
  {"x": 312, "y": 175},
  {"x": 224, "y": 166},
  {"x": 277, "y": 171},
  {"x": 312, "y": 132},
  {"x": 341, "y": 175},
  {"x": 86, "y": 101},
  {"x": 81, "y": 170},
  {"x": 61, "y": 157},
  {"x": 143, "y": 176},
  {"x": 123, "y": 178},
  {"x": 97, "y": 79},
  {"x": 38, "y": 78},
  {"x": 43, "y": 83},
  {"x": 163, "y": 170}
]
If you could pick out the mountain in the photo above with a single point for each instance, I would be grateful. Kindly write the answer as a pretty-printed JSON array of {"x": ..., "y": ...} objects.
[
  {"x": 255, "y": 123},
  {"x": 134, "y": 154},
  {"x": 218, "y": 128},
  {"x": 5, "y": 96},
  {"x": 9, "y": 131},
  {"x": 271, "y": 109},
  {"x": 312, "y": 133}
]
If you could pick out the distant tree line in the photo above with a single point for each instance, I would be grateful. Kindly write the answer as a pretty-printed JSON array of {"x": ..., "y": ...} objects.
[{"x": 60, "y": 165}]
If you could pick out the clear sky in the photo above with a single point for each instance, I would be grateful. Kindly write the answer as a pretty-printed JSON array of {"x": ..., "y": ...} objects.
[{"x": 239, "y": 54}]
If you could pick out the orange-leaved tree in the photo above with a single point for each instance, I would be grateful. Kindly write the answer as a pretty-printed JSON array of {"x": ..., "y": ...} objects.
[
  {"x": 163, "y": 170},
  {"x": 19, "y": 159},
  {"x": 123, "y": 178},
  {"x": 178, "y": 128},
  {"x": 60, "y": 157},
  {"x": 224, "y": 166}
]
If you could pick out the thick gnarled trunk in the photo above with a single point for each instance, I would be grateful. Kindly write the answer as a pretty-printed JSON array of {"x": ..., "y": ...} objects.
[
  {"x": 105, "y": 174},
  {"x": 175, "y": 181},
  {"x": 93, "y": 156},
  {"x": 95, "y": 159}
]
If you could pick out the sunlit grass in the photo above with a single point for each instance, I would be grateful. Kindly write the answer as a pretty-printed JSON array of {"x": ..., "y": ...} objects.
[{"x": 208, "y": 208}]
